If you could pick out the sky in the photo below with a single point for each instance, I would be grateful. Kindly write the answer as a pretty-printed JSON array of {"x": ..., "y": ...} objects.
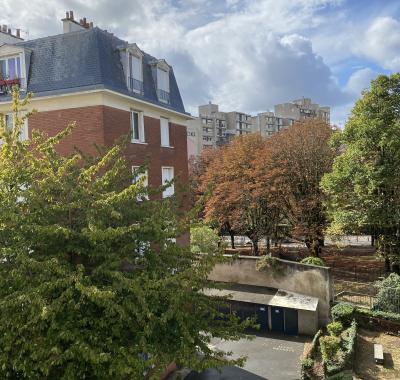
[{"x": 244, "y": 55}]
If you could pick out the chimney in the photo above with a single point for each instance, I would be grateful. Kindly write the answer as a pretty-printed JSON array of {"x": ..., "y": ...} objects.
[
  {"x": 9, "y": 31},
  {"x": 4, "y": 28},
  {"x": 70, "y": 25},
  {"x": 18, "y": 33}
]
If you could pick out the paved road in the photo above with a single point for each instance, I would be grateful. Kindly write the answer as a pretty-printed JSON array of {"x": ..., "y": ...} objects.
[{"x": 269, "y": 357}]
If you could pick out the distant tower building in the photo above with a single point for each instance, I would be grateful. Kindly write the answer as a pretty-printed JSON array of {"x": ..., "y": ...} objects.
[{"x": 302, "y": 109}]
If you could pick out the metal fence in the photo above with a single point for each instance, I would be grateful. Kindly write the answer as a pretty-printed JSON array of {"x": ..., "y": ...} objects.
[
  {"x": 388, "y": 300},
  {"x": 356, "y": 299}
]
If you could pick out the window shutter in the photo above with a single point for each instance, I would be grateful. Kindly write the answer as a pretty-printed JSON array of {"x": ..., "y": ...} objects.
[{"x": 164, "y": 125}]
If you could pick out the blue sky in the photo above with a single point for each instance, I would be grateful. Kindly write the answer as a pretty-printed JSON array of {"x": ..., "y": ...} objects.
[{"x": 245, "y": 54}]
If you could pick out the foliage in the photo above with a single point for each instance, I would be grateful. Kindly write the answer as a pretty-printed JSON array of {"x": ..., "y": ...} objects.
[
  {"x": 315, "y": 343},
  {"x": 334, "y": 328},
  {"x": 343, "y": 313},
  {"x": 269, "y": 263},
  {"x": 307, "y": 363},
  {"x": 311, "y": 260},
  {"x": 345, "y": 359},
  {"x": 394, "y": 317},
  {"x": 238, "y": 198},
  {"x": 204, "y": 239},
  {"x": 90, "y": 278},
  {"x": 364, "y": 185},
  {"x": 299, "y": 157},
  {"x": 329, "y": 346},
  {"x": 388, "y": 297}
]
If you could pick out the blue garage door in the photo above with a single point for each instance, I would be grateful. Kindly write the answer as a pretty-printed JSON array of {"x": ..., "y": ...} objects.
[
  {"x": 291, "y": 325},
  {"x": 277, "y": 319},
  {"x": 262, "y": 317}
]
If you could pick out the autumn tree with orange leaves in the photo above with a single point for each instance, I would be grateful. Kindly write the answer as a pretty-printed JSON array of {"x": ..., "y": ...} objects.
[
  {"x": 296, "y": 160},
  {"x": 239, "y": 201}
]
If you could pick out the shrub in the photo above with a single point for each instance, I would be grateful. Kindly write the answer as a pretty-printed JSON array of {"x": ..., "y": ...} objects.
[
  {"x": 313, "y": 261},
  {"x": 388, "y": 293},
  {"x": 334, "y": 328},
  {"x": 344, "y": 359},
  {"x": 378, "y": 314},
  {"x": 203, "y": 239},
  {"x": 307, "y": 363},
  {"x": 330, "y": 345},
  {"x": 344, "y": 313}
]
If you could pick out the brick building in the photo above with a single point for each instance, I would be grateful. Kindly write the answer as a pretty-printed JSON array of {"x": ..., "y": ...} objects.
[{"x": 108, "y": 86}]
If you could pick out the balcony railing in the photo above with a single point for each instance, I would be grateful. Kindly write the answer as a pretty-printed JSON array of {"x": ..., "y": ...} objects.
[
  {"x": 7, "y": 84},
  {"x": 163, "y": 96},
  {"x": 136, "y": 85}
]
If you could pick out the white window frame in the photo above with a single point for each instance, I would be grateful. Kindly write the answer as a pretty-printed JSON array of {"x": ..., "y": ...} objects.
[
  {"x": 164, "y": 132},
  {"x": 169, "y": 191},
  {"x": 138, "y": 176},
  {"x": 131, "y": 59},
  {"x": 140, "y": 118},
  {"x": 24, "y": 135},
  {"x": 6, "y": 59}
]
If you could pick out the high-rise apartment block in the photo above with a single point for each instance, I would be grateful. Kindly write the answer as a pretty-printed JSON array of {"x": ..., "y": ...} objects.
[
  {"x": 301, "y": 109},
  {"x": 214, "y": 128}
]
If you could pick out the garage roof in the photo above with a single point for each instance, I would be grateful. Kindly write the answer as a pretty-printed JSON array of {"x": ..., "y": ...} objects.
[{"x": 266, "y": 296}]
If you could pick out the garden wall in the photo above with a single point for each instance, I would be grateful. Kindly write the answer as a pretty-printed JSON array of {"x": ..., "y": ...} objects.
[{"x": 305, "y": 279}]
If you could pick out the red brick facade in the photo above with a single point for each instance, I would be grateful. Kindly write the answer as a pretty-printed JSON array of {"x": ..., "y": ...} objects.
[{"x": 102, "y": 125}]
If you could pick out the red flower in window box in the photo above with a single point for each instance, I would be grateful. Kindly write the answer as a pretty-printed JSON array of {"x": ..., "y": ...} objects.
[{"x": 9, "y": 82}]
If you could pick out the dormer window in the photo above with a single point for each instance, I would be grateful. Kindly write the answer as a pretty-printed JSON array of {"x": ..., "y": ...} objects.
[
  {"x": 163, "y": 85},
  {"x": 135, "y": 73},
  {"x": 132, "y": 60},
  {"x": 161, "y": 71},
  {"x": 10, "y": 68}
]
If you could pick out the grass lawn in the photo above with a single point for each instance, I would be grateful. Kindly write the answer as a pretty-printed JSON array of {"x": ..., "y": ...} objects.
[{"x": 365, "y": 367}]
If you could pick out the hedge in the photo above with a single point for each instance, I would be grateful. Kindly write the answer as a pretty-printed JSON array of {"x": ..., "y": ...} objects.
[
  {"x": 305, "y": 363},
  {"x": 379, "y": 314},
  {"x": 344, "y": 313},
  {"x": 346, "y": 361}
]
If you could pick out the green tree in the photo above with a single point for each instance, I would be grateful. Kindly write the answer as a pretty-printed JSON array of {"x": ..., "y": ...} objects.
[
  {"x": 91, "y": 281},
  {"x": 364, "y": 185},
  {"x": 204, "y": 239}
]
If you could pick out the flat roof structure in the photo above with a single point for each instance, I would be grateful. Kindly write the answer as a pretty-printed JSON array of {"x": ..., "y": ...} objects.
[{"x": 266, "y": 296}]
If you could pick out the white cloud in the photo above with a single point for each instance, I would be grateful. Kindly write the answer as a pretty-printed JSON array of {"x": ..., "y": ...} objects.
[
  {"x": 381, "y": 43},
  {"x": 360, "y": 80},
  {"x": 245, "y": 54}
]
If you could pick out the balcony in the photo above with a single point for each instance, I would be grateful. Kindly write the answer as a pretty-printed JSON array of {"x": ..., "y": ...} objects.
[
  {"x": 6, "y": 85},
  {"x": 163, "y": 96},
  {"x": 136, "y": 85}
]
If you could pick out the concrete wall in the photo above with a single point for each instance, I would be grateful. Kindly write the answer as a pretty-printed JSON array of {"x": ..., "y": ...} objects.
[
  {"x": 307, "y": 322},
  {"x": 305, "y": 279}
]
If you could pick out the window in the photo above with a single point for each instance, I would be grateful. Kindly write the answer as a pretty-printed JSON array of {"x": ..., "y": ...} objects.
[
  {"x": 10, "y": 125},
  {"x": 163, "y": 85},
  {"x": 143, "y": 176},
  {"x": 137, "y": 127},
  {"x": 135, "y": 73},
  {"x": 164, "y": 127},
  {"x": 10, "y": 68},
  {"x": 167, "y": 177}
]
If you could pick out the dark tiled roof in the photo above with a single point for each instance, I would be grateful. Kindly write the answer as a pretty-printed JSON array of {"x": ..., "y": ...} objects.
[{"x": 88, "y": 59}]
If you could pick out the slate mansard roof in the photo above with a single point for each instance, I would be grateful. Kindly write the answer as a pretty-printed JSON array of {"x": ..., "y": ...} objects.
[{"x": 87, "y": 60}]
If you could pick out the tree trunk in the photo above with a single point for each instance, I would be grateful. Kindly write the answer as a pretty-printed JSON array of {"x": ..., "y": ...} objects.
[
  {"x": 315, "y": 248},
  {"x": 232, "y": 235},
  {"x": 254, "y": 241},
  {"x": 387, "y": 265},
  {"x": 268, "y": 245}
]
